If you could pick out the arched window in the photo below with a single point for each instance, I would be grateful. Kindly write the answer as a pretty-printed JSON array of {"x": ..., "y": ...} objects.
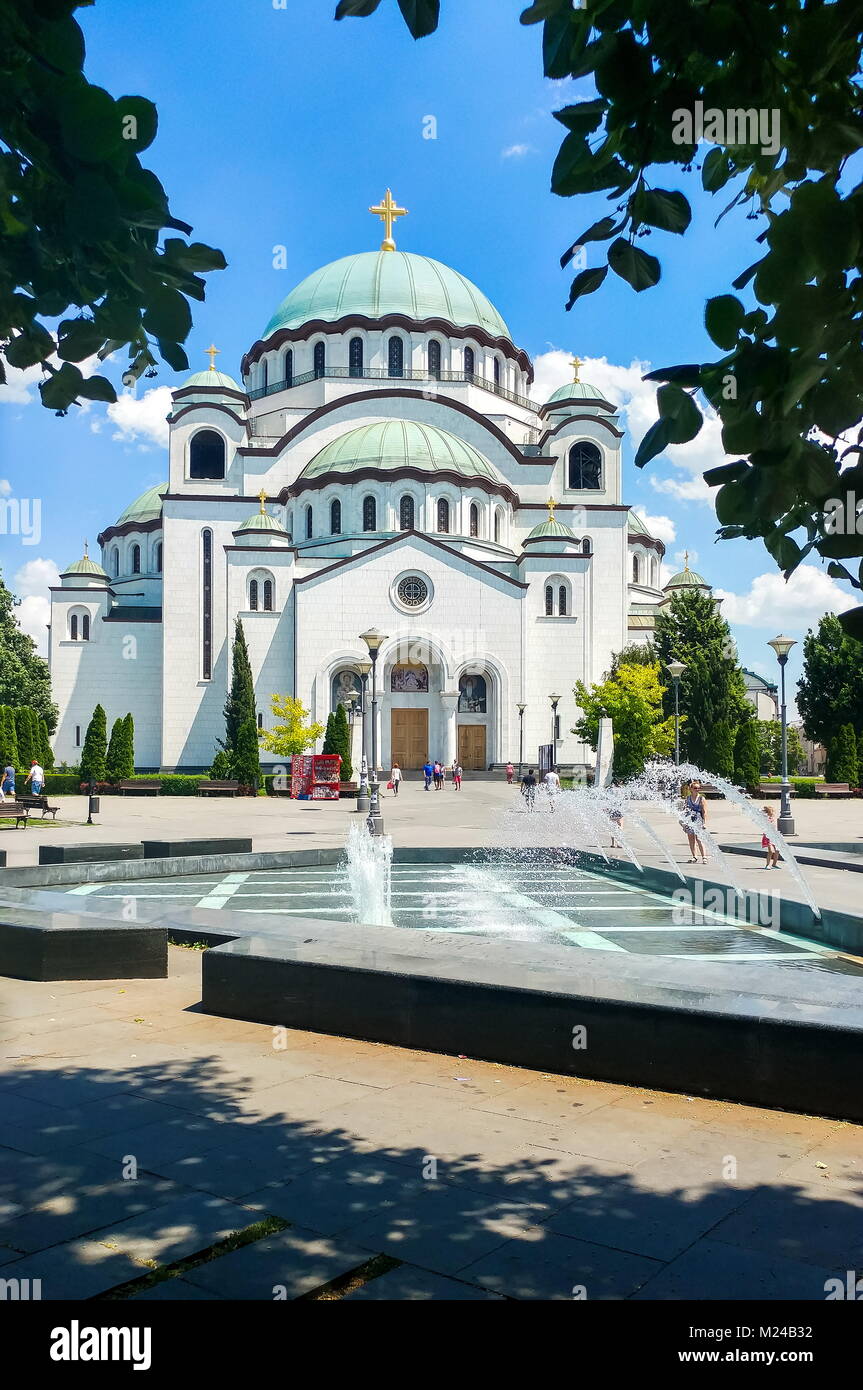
[
  {"x": 320, "y": 359},
  {"x": 406, "y": 513},
  {"x": 268, "y": 595},
  {"x": 335, "y": 518},
  {"x": 264, "y": 374},
  {"x": 207, "y": 455},
  {"x": 289, "y": 367},
  {"x": 585, "y": 546},
  {"x": 136, "y": 559},
  {"x": 443, "y": 515},
  {"x": 497, "y": 524},
  {"x": 73, "y": 627},
  {"x": 253, "y": 595},
  {"x": 85, "y": 627},
  {"x": 474, "y": 519},
  {"x": 549, "y": 601},
  {"x": 635, "y": 569},
  {"x": 207, "y": 587},
  {"x": 497, "y": 371},
  {"x": 159, "y": 557},
  {"x": 355, "y": 357},
  {"x": 585, "y": 467},
  {"x": 561, "y": 600},
  {"x": 434, "y": 358},
  {"x": 469, "y": 361},
  {"x": 308, "y": 523},
  {"x": 370, "y": 514},
  {"x": 396, "y": 357},
  {"x": 115, "y": 562}
]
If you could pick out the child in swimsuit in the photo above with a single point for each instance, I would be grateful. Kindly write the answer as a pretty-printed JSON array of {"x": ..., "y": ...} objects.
[{"x": 766, "y": 842}]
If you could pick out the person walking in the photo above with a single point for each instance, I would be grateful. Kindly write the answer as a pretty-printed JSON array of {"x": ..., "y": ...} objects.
[
  {"x": 36, "y": 778},
  {"x": 428, "y": 772},
  {"x": 436, "y": 773},
  {"x": 7, "y": 788},
  {"x": 510, "y": 773},
  {"x": 695, "y": 817},
  {"x": 551, "y": 782},
  {"x": 456, "y": 777},
  {"x": 528, "y": 788},
  {"x": 395, "y": 778}
]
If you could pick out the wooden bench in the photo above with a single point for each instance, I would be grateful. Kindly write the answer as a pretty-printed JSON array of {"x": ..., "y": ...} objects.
[
  {"x": 218, "y": 788},
  {"x": 146, "y": 786},
  {"x": 39, "y": 803},
  {"x": 825, "y": 789},
  {"x": 15, "y": 810}
]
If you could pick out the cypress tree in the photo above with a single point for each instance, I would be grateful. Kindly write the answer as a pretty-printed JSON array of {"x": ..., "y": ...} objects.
[
  {"x": 114, "y": 760},
  {"x": 712, "y": 690},
  {"x": 240, "y": 704},
  {"x": 720, "y": 749},
  {"x": 9, "y": 735},
  {"x": 747, "y": 756},
  {"x": 342, "y": 740},
  {"x": 245, "y": 760},
  {"x": 330, "y": 735},
  {"x": 26, "y": 751},
  {"x": 46, "y": 752},
  {"x": 129, "y": 747},
  {"x": 35, "y": 734},
  {"x": 93, "y": 754},
  {"x": 842, "y": 756}
]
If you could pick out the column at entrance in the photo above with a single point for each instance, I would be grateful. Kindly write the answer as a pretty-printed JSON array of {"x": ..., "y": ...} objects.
[{"x": 449, "y": 705}]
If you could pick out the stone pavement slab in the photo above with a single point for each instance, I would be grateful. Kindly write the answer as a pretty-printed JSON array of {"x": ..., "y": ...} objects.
[
  {"x": 83, "y": 1210},
  {"x": 712, "y": 1269},
  {"x": 409, "y": 1284},
  {"x": 812, "y": 1222},
  {"x": 543, "y": 1265},
  {"x": 297, "y": 1260}
]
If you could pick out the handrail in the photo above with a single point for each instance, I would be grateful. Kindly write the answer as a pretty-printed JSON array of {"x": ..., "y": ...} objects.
[{"x": 382, "y": 374}]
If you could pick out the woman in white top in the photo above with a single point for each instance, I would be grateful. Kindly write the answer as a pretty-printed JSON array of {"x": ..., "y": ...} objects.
[{"x": 395, "y": 778}]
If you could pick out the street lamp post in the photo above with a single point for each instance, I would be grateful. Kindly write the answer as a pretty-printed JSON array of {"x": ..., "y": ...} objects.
[
  {"x": 555, "y": 701},
  {"x": 363, "y": 795},
  {"x": 785, "y": 825},
  {"x": 374, "y": 640},
  {"x": 521, "y": 709},
  {"x": 675, "y": 669}
]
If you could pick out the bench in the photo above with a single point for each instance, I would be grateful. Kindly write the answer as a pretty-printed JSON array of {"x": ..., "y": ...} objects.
[
  {"x": 39, "y": 803},
  {"x": 218, "y": 788},
  {"x": 17, "y": 811},
  {"x": 821, "y": 788},
  {"x": 146, "y": 786}
]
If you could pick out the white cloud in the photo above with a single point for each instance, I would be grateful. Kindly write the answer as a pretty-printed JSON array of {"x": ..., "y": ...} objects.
[
  {"x": 662, "y": 527},
  {"x": 17, "y": 389},
  {"x": 515, "y": 151},
  {"x": 142, "y": 417},
  {"x": 684, "y": 557},
  {"x": 5, "y": 487},
  {"x": 771, "y": 602},
  {"x": 32, "y": 583}
]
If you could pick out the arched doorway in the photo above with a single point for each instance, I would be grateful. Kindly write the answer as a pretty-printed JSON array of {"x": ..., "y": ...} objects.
[{"x": 473, "y": 720}]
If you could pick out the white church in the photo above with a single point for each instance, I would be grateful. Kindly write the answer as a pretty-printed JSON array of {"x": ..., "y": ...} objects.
[{"x": 379, "y": 464}]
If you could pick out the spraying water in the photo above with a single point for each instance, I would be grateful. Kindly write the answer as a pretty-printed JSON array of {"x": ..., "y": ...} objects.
[{"x": 369, "y": 870}]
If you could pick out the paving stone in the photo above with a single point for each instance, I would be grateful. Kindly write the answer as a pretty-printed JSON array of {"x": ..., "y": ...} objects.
[
  {"x": 337, "y": 1196},
  {"x": 231, "y": 1172},
  {"x": 823, "y": 1225},
  {"x": 78, "y": 1270},
  {"x": 409, "y": 1284},
  {"x": 299, "y": 1260},
  {"x": 179, "y": 1228},
  {"x": 175, "y": 1290},
  {"x": 543, "y": 1265},
  {"x": 714, "y": 1270},
  {"x": 84, "y": 1209},
  {"x": 158, "y": 1144}
]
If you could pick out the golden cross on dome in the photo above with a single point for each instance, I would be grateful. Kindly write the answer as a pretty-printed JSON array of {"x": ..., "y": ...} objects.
[
  {"x": 551, "y": 504},
  {"x": 387, "y": 211},
  {"x": 262, "y": 497},
  {"x": 686, "y": 559},
  {"x": 86, "y": 551},
  {"x": 211, "y": 353},
  {"x": 577, "y": 363}
]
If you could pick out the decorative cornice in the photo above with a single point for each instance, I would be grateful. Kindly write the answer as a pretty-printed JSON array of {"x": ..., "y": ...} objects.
[
  {"x": 184, "y": 391},
  {"x": 174, "y": 417},
  {"x": 358, "y": 475},
  {"x": 396, "y": 540},
  {"x": 575, "y": 506},
  {"x": 111, "y": 532},
  {"x": 650, "y": 541},
  {"x": 594, "y": 420},
  {"x": 582, "y": 400},
  {"x": 554, "y": 555},
  {"x": 349, "y": 321}
]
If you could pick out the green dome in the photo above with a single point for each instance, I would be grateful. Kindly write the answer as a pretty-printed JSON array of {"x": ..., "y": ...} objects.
[
  {"x": 211, "y": 378},
  {"x": 394, "y": 444},
  {"x": 147, "y": 507},
  {"x": 575, "y": 391},
  {"x": 376, "y": 283},
  {"x": 86, "y": 566},
  {"x": 551, "y": 530},
  {"x": 261, "y": 521},
  {"x": 636, "y": 525},
  {"x": 686, "y": 579}
]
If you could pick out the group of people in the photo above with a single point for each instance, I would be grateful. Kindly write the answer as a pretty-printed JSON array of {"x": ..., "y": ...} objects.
[
  {"x": 35, "y": 779},
  {"x": 530, "y": 783},
  {"x": 434, "y": 774}
]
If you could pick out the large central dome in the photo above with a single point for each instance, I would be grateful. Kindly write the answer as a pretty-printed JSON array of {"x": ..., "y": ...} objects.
[
  {"x": 377, "y": 283},
  {"x": 397, "y": 444}
]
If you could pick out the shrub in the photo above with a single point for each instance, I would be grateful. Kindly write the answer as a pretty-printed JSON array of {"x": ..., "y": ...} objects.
[
  {"x": 806, "y": 790},
  {"x": 62, "y": 783},
  {"x": 747, "y": 756},
  {"x": 842, "y": 757},
  {"x": 180, "y": 784}
]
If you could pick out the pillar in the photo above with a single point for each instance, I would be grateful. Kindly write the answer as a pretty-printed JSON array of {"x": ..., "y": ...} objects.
[{"x": 449, "y": 704}]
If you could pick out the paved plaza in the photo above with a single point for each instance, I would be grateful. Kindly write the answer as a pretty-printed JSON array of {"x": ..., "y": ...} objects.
[{"x": 141, "y": 1135}]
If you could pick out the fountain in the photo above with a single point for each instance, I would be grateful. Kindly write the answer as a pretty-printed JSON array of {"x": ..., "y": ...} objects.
[{"x": 369, "y": 873}]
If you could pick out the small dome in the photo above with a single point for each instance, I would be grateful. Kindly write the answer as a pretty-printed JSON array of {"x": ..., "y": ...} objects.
[
  {"x": 394, "y": 444},
  {"x": 378, "y": 283},
  {"x": 574, "y": 391},
  {"x": 261, "y": 521},
  {"x": 551, "y": 530},
  {"x": 212, "y": 379},
  {"x": 86, "y": 566},
  {"x": 686, "y": 579},
  {"x": 636, "y": 525},
  {"x": 147, "y": 507}
]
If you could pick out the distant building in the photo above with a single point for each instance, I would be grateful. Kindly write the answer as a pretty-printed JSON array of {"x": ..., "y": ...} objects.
[
  {"x": 762, "y": 694},
  {"x": 816, "y": 753}
]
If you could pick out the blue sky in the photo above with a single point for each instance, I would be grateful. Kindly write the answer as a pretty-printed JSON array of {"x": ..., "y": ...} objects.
[{"x": 279, "y": 127}]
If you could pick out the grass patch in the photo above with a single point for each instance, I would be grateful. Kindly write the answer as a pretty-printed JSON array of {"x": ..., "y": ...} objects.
[
  {"x": 189, "y": 945},
  {"x": 268, "y": 1226},
  {"x": 346, "y": 1283}
]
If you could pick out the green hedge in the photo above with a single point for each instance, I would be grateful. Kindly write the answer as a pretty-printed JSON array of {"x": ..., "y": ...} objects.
[
  {"x": 60, "y": 783},
  {"x": 805, "y": 788},
  {"x": 283, "y": 781}
]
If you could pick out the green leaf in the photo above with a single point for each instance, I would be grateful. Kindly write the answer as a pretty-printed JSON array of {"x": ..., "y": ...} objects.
[
  {"x": 557, "y": 38},
  {"x": 358, "y": 8},
  {"x": 174, "y": 355},
  {"x": 88, "y": 122},
  {"x": 196, "y": 256},
  {"x": 584, "y": 117},
  {"x": 168, "y": 315},
  {"x": 97, "y": 388},
  {"x": 686, "y": 374},
  {"x": 600, "y": 231},
  {"x": 678, "y": 407},
  {"x": 421, "y": 16},
  {"x": 29, "y": 347},
  {"x": 658, "y": 207},
  {"x": 585, "y": 283},
  {"x": 723, "y": 319},
  {"x": 725, "y": 473},
  {"x": 78, "y": 339},
  {"x": 852, "y": 622},
  {"x": 653, "y": 443},
  {"x": 61, "y": 388},
  {"x": 139, "y": 122},
  {"x": 541, "y": 9},
  {"x": 716, "y": 170},
  {"x": 632, "y": 264}
]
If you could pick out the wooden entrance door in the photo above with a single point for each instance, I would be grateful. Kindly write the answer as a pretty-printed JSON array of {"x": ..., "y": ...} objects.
[
  {"x": 471, "y": 747},
  {"x": 409, "y": 737}
]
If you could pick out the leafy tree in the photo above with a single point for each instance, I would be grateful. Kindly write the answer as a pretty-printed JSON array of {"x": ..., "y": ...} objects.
[
  {"x": 842, "y": 757},
  {"x": 81, "y": 219},
  {"x": 786, "y": 383},
  {"x": 747, "y": 756},
  {"x": 245, "y": 760},
  {"x": 712, "y": 690},
  {"x": 830, "y": 691},
  {"x": 221, "y": 770},
  {"x": 46, "y": 752},
  {"x": 24, "y": 676},
  {"x": 342, "y": 740},
  {"x": 24, "y": 731},
  {"x": 94, "y": 751},
  {"x": 9, "y": 737},
  {"x": 240, "y": 704},
  {"x": 769, "y": 733},
  {"x": 115, "y": 759},
  {"x": 634, "y": 654},
  {"x": 129, "y": 747},
  {"x": 632, "y": 698},
  {"x": 720, "y": 749},
  {"x": 330, "y": 734},
  {"x": 291, "y": 734}
]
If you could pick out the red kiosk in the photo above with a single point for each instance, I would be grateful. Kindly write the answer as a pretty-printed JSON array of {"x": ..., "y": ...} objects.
[{"x": 315, "y": 776}]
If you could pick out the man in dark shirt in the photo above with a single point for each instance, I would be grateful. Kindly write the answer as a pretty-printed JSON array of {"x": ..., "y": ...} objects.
[{"x": 528, "y": 788}]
